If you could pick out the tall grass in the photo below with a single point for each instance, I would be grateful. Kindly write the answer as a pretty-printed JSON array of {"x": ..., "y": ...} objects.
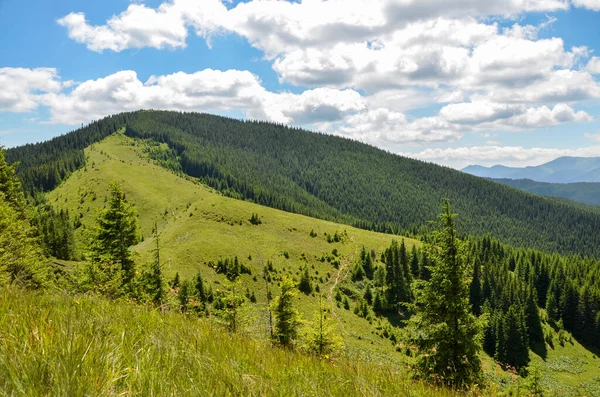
[{"x": 58, "y": 345}]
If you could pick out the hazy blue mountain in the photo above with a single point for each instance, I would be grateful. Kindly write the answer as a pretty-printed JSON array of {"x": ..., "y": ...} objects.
[
  {"x": 583, "y": 192},
  {"x": 561, "y": 170}
]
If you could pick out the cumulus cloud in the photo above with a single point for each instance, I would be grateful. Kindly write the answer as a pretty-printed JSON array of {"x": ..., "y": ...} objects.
[
  {"x": 21, "y": 87},
  {"x": 593, "y": 65},
  {"x": 373, "y": 45},
  {"x": 492, "y": 155},
  {"x": 207, "y": 90},
  {"x": 593, "y": 5}
]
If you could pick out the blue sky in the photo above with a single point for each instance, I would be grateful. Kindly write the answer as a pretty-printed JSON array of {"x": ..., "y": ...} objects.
[{"x": 455, "y": 82}]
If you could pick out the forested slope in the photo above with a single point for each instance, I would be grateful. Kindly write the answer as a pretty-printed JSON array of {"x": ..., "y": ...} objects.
[
  {"x": 328, "y": 177},
  {"x": 583, "y": 192}
]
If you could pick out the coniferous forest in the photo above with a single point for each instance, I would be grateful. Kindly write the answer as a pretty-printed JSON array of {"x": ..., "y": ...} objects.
[{"x": 496, "y": 274}]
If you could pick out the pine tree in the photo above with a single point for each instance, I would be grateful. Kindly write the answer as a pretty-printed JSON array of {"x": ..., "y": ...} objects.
[
  {"x": 156, "y": 279},
  {"x": 116, "y": 232},
  {"x": 199, "y": 287},
  {"x": 446, "y": 334},
  {"x": 320, "y": 335},
  {"x": 185, "y": 292},
  {"x": 414, "y": 262},
  {"x": 514, "y": 350},
  {"x": 305, "y": 284},
  {"x": 475, "y": 290},
  {"x": 21, "y": 258},
  {"x": 287, "y": 318}
]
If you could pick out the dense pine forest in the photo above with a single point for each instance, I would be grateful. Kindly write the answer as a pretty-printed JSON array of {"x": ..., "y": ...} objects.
[{"x": 322, "y": 176}]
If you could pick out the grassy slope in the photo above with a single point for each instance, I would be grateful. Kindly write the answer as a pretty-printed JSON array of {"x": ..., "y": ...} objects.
[
  {"x": 57, "y": 345},
  {"x": 213, "y": 231}
]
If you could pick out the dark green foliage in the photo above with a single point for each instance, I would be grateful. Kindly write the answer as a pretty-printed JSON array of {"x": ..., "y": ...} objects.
[
  {"x": 184, "y": 295},
  {"x": 115, "y": 233},
  {"x": 475, "y": 290},
  {"x": 398, "y": 277},
  {"x": 232, "y": 268},
  {"x": 444, "y": 331},
  {"x": 22, "y": 260},
  {"x": 305, "y": 285},
  {"x": 176, "y": 281},
  {"x": 583, "y": 192},
  {"x": 56, "y": 232},
  {"x": 346, "y": 303},
  {"x": 324, "y": 176},
  {"x": 511, "y": 344},
  {"x": 255, "y": 219},
  {"x": 287, "y": 319}
]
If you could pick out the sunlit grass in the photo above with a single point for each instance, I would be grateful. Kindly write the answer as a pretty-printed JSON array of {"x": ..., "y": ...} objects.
[{"x": 58, "y": 345}]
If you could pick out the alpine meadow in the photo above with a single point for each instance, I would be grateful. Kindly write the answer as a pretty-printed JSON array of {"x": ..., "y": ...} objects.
[{"x": 300, "y": 198}]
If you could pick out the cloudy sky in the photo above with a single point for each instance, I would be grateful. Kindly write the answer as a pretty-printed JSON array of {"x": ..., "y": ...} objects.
[{"x": 455, "y": 82}]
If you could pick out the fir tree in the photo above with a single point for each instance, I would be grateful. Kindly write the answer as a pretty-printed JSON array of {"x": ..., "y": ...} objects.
[
  {"x": 287, "y": 318},
  {"x": 305, "y": 284},
  {"x": 447, "y": 335},
  {"x": 320, "y": 335},
  {"x": 116, "y": 232},
  {"x": 475, "y": 290}
]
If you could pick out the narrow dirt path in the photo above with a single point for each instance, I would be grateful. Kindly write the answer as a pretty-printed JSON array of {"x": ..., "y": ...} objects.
[{"x": 342, "y": 273}]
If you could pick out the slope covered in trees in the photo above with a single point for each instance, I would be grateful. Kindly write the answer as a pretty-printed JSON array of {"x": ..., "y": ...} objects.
[
  {"x": 330, "y": 177},
  {"x": 583, "y": 192}
]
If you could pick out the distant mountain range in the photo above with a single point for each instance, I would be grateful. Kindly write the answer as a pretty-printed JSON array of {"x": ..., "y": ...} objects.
[
  {"x": 583, "y": 192},
  {"x": 561, "y": 170}
]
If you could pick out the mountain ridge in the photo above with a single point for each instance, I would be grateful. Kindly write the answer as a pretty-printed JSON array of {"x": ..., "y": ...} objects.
[
  {"x": 323, "y": 176},
  {"x": 564, "y": 169}
]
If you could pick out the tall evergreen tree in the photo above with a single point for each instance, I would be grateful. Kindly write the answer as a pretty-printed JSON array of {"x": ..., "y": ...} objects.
[
  {"x": 512, "y": 347},
  {"x": 287, "y": 318},
  {"x": 475, "y": 290},
  {"x": 21, "y": 258},
  {"x": 447, "y": 335},
  {"x": 116, "y": 232},
  {"x": 156, "y": 279}
]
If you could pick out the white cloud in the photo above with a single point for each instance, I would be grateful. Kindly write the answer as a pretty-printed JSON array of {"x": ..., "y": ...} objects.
[
  {"x": 21, "y": 87},
  {"x": 492, "y": 155},
  {"x": 207, "y": 90},
  {"x": 593, "y": 5},
  {"x": 593, "y": 65}
]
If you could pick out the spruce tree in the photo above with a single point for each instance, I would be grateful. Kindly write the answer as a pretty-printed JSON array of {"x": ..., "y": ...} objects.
[
  {"x": 514, "y": 349},
  {"x": 156, "y": 279},
  {"x": 446, "y": 334},
  {"x": 116, "y": 232},
  {"x": 475, "y": 290},
  {"x": 320, "y": 335},
  {"x": 305, "y": 284},
  {"x": 287, "y": 318},
  {"x": 21, "y": 258}
]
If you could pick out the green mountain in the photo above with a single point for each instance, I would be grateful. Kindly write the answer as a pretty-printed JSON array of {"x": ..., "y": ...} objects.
[
  {"x": 583, "y": 192},
  {"x": 199, "y": 227},
  {"x": 322, "y": 176}
]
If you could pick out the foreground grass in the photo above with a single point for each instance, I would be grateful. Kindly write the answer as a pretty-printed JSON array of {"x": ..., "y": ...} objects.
[{"x": 63, "y": 346}]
